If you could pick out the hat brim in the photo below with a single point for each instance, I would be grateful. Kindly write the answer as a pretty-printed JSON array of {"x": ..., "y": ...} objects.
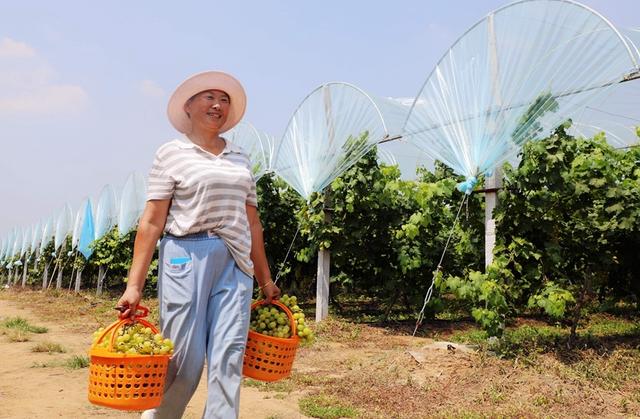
[{"x": 208, "y": 80}]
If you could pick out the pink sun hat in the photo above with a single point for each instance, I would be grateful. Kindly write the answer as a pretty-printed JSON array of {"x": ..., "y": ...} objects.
[{"x": 208, "y": 80}]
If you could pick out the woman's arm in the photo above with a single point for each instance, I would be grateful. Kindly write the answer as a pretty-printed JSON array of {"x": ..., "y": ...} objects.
[
  {"x": 259, "y": 257},
  {"x": 149, "y": 231}
]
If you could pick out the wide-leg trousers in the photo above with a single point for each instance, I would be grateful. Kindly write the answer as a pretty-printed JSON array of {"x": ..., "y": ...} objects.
[{"x": 205, "y": 303}]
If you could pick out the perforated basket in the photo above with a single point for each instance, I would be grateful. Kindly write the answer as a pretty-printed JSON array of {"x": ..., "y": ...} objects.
[
  {"x": 126, "y": 381},
  {"x": 268, "y": 358}
]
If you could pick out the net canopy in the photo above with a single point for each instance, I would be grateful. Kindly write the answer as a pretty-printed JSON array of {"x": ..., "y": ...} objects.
[
  {"x": 47, "y": 233},
  {"x": 63, "y": 227},
  {"x": 334, "y": 126},
  {"x": 4, "y": 242},
  {"x": 106, "y": 212},
  {"x": 36, "y": 236},
  {"x": 515, "y": 76},
  {"x": 26, "y": 241},
  {"x": 132, "y": 203},
  {"x": 617, "y": 114},
  {"x": 17, "y": 243},
  {"x": 258, "y": 145},
  {"x": 77, "y": 225},
  {"x": 9, "y": 244}
]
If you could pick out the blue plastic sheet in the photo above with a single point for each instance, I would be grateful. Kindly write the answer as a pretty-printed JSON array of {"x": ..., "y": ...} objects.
[{"x": 87, "y": 232}]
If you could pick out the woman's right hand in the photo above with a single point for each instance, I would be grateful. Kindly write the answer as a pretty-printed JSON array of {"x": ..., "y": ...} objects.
[
  {"x": 129, "y": 302},
  {"x": 270, "y": 292}
]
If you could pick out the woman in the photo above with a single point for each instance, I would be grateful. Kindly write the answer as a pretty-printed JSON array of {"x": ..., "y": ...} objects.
[{"x": 202, "y": 195}]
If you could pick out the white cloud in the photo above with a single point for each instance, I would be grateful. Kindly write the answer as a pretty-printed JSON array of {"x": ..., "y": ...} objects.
[
  {"x": 28, "y": 85},
  {"x": 13, "y": 48},
  {"x": 46, "y": 100},
  {"x": 151, "y": 89}
]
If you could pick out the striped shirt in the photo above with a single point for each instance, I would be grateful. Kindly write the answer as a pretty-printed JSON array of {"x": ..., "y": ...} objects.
[{"x": 208, "y": 193}]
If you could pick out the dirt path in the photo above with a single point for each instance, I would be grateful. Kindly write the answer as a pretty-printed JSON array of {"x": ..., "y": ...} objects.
[
  {"x": 352, "y": 370},
  {"x": 30, "y": 390}
]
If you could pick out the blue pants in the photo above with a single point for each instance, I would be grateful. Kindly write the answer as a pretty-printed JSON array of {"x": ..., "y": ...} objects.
[{"x": 205, "y": 303}]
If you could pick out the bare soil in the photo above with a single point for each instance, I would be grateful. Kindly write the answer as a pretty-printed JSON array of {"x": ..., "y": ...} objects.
[{"x": 378, "y": 372}]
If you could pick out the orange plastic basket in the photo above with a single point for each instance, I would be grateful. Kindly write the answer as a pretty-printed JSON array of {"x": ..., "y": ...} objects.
[
  {"x": 126, "y": 381},
  {"x": 268, "y": 358}
]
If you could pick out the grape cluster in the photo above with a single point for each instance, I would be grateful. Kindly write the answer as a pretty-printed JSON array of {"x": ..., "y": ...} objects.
[
  {"x": 272, "y": 321},
  {"x": 135, "y": 338}
]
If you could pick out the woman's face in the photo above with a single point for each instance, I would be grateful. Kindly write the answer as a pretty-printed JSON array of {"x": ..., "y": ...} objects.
[{"x": 208, "y": 109}]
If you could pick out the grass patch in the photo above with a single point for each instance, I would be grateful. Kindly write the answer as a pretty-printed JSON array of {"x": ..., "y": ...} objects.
[
  {"x": 336, "y": 330},
  {"x": 48, "y": 347},
  {"x": 77, "y": 362},
  {"x": 281, "y": 386},
  {"x": 299, "y": 379},
  {"x": 17, "y": 335},
  {"x": 325, "y": 407},
  {"x": 611, "y": 371},
  {"x": 601, "y": 325},
  {"x": 471, "y": 336},
  {"x": 47, "y": 364},
  {"x": 18, "y": 323}
]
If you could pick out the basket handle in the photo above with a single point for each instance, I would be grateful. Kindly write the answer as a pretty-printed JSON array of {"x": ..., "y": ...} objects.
[
  {"x": 119, "y": 323},
  {"x": 288, "y": 312}
]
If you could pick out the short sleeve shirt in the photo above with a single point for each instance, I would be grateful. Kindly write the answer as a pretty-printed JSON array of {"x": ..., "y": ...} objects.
[{"x": 207, "y": 192}]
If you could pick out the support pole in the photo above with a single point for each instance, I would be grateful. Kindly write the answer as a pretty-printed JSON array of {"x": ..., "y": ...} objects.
[
  {"x": 492, "y": 184},
  {"x": 45, "y": 276},
  {"x": 324, "y": 257},
  {"x": 322, "y": 285},
  {"x": 78, "y": 279},
  {"x": 59, "y": 278},
  {"x": 102, "y": 273},
  {"x": 324, "y": 267},
  {"x": 24, "y": 272}
]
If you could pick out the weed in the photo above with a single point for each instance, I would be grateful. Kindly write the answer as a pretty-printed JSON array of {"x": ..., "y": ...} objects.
[
  {"x": 17, "y": 335},
  {"x": 282, "y": 386},
  {"x": 300, "y": 379},
  {"x": 77, "y": 362},
  {"x": 18, "y": 323},
  {"x": 48, "y": 347},
  {"x": 540, "y": 400},
  {"x": 493, "y": 394},
  {"x": 325, "y": 407},
  {"x": 47, "y": 364},
  {"x": 609, "y": 372},
  {"x": 473, "y": 336}
]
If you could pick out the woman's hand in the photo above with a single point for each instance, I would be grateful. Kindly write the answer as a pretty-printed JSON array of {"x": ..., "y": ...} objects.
[
  {"x": 129, "y": 302},
  {"x": 271, "y": 292}
]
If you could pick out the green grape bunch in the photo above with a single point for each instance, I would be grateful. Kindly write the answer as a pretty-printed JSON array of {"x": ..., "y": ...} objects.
[
  {"x": 135, "y": 338},
  {"x": 270, "y": 320}
]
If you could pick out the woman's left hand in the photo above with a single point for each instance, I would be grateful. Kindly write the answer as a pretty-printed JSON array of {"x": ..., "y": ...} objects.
[{"x": 271, "y": 292}]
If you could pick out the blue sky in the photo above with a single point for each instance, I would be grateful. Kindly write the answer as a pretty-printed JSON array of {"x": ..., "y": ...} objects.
[{"x": 84, "y": 85}]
